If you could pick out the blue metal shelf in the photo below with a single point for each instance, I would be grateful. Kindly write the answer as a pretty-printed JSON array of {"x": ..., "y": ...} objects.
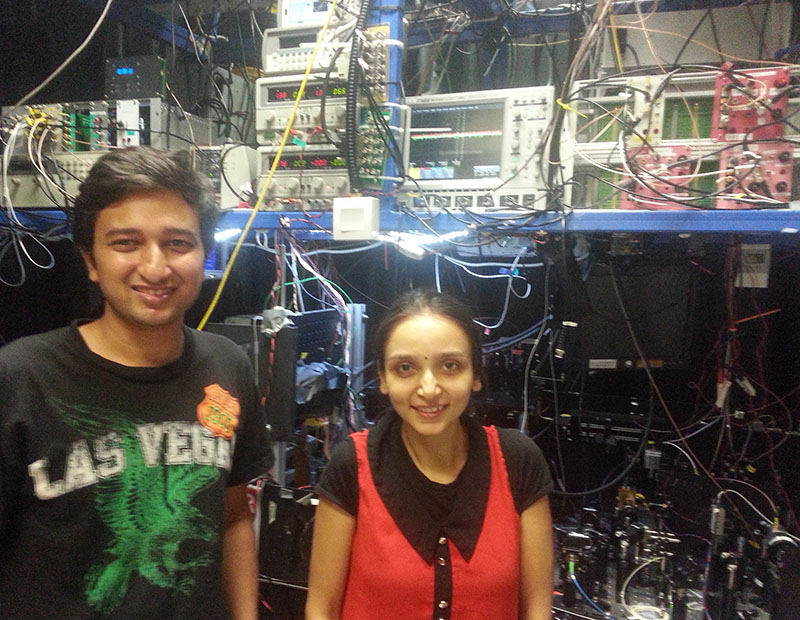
[
  {"x": 773, "y": 221},
  {"x": 782, "y": 222}
]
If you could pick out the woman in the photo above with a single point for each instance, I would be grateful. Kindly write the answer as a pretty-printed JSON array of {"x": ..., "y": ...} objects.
[{"x": 429, "y": 514}]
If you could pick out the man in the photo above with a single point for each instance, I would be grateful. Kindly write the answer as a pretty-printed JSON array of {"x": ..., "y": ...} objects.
[{"x": 126, "y": 442}]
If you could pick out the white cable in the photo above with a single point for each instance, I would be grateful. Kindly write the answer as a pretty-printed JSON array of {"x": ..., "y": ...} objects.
[
  {"x": 12, "y": 141},
  {"x": 509, "y": 286},
  {"x": 484, "y": 276},
  {"x": 262, "y": 242},
  {"x": 572, "y": 613},
  {"x": 16, "y": 237},
  {"x": 752, "y": 486},
  {"x": 628, "y": 580},
  {"x": 685, "y": 453},
  {"x": 186, "y": 119},
  {"x": 297, "y": 282},
  {"x": 43, "y": 169},
  {"x": 646, "y": 612},
  {"x": 704, "y": 428},
  {"x": 31, "y": 132},
  {"x": 577, "y": 151},
  {"x": 255, "y": 21},
  {"x": 526, "y": 377},
  {"x": 469, "y": 264},
  {"x": 192, "y": 38},
  {"x": 70, "y": 58},
  {"x": 36, "y": 161},
  {"x": 13, "y": 242},
  {"x": 491, "y": 276},
  {"x": 291, "y": 262},
  {"x": 746, "y": 501},
  {"x": 337, "y": 296}
]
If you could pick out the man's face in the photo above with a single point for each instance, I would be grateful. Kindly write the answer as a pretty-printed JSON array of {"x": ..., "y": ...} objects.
[{"x": 147, "y": 258}]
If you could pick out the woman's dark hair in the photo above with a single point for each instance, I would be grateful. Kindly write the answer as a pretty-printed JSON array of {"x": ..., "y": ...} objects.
[
  {"x": 124, "y": 171},
  {"x": 418, "y": 302}
]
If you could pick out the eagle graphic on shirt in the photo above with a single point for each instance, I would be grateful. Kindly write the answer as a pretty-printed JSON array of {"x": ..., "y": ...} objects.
[{"x": 147, "y": 508}]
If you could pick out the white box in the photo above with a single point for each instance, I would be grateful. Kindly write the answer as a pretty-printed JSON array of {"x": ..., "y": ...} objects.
[{"x": 356, "y": 218}]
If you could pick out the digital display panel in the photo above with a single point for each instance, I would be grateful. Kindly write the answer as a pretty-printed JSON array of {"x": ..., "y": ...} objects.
[
  {"x": 283, "y": 93},
  {"x": 288, "y": 42},
  {"x": 305, "y": 12},
  {"x": 456, "y": 141},
  {"x": 311, "y": 161},
  {"x": 126, "y": 71}
]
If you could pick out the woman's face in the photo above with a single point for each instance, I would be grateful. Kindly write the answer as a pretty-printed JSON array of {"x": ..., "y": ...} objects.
[{"x": 427, "y": 373}]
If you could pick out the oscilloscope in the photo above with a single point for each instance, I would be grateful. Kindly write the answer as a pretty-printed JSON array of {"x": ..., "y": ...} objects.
[{"x": 480, "y": 149}]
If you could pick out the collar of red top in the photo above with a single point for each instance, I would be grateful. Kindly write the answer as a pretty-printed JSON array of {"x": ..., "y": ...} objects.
[{"x": 424, "y": 510}]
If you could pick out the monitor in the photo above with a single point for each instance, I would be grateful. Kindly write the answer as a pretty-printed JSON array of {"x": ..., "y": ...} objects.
[{"x": 478, "y": 140}]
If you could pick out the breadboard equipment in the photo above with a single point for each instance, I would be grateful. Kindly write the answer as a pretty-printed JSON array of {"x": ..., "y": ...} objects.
[
  {"x": 28, "y": 188},
  {"x": 759, "y": 172},
  {"x": 288, "y": 51},
  {"x": 313, "y": 170},
  {"x": 748, "y": 108},
  {"x": 305, "y": 177},
  {"x": 664, "y": 171},
  {"x": 322, "y": 103},
  {"x": 289, "y": 48},
  {"x": 100, "y": 125},
  {"x": 463, "y": 146},
  {"x": 372, "y": 140},
  {"x": 375, "y": 53},
  {"x": 67, "y": 138},
  {"x": 371, "y": 143},
  {"x": 748, "y": 104},
  {"x": 648, "y": 108}
]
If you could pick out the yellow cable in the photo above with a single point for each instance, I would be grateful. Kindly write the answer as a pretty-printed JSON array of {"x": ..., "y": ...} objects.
[
  {"x": 615, "y": 38},
  {"x": 275, "y": 160},
  {"x": 569, "y": 108}
]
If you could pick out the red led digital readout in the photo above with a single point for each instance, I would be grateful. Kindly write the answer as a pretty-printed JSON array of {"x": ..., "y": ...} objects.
[
  {"x": 315, "y": 92},
  {"x": 319, "y": 162}
]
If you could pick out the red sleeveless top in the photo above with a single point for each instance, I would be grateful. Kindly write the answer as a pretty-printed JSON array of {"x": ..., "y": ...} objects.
[{"x": 389, "y": 580}]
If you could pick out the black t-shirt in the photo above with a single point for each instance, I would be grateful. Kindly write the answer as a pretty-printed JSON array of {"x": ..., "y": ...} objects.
[
  {"x": 423, "y": 508},
  {"x": 113, "y": 478}
]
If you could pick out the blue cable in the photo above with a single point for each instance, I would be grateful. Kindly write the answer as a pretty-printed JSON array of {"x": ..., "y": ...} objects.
[{"x": 590, "y": 601}]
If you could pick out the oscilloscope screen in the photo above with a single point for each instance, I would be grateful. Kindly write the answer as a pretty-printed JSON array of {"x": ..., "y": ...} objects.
[{"x": 456, "y": 141}]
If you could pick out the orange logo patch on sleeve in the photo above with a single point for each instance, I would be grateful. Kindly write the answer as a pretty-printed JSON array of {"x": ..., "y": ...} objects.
[{"x": 219, "y": 411}]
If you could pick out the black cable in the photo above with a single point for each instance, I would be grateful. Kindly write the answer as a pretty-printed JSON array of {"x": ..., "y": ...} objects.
[
  {"x": 380, "y": 122},
  {"x": 325, "y": 86},
  {"x": 650, "y": 411},
  {"x": 690, "y": 38},
  {"x": 716, "y": 35},
  {"x": 755, "y": 205},
  {"x": 351, "y": 97},
  {"x": 630, "y": 128},
  {"x": 762, "y": 47},
  {"x": 635, "y": 54},
  {"x": 225, "y": 176}
]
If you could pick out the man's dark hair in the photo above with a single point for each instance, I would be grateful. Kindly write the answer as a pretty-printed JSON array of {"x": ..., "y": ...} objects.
[
  {"x": 419, "y": 302},
  {"x": 124, "y": 171}
]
